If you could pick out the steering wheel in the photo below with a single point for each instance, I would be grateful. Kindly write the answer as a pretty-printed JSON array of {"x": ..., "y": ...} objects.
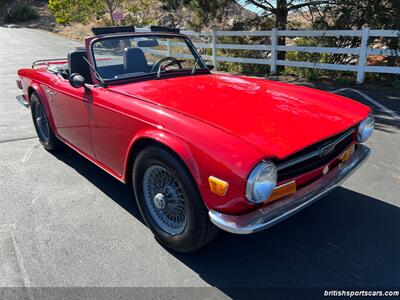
[{"x": 159, "y": 64}]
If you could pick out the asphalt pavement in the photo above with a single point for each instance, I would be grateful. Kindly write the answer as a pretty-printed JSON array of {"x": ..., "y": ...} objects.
[{"x": 66, "y": 223}]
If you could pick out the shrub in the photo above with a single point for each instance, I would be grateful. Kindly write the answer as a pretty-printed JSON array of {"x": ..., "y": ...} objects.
[
  {"x": 21, "y": 13},
  {"x": 396, "y": 84},
  {"x": 312, "y": 75}
]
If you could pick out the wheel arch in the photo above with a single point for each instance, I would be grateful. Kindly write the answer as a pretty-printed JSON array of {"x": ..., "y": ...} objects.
[
  {"x": 31, "y": 90},
  {"x": 171, "y": 143},
  {"x": 35, "y": 88}
]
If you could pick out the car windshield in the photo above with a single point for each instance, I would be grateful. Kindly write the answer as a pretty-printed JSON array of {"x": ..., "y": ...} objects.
[{"x": 135, "y": 56}]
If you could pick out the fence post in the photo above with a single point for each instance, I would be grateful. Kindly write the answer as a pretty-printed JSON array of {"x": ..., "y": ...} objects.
[
  {"x": 274, "y": 42},
  {"x": 214, "y": 47},
  {"x": 362, "y": 57},
  {"x": 169, "y": 47}
]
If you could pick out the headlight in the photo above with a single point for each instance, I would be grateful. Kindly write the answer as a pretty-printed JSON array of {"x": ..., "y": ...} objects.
[
  {"x": 261, "y": 182},
  {"x": 365, "y": 129}
]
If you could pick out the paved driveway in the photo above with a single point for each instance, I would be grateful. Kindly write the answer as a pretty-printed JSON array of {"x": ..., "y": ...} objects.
[{"x": 66, "y": 223}]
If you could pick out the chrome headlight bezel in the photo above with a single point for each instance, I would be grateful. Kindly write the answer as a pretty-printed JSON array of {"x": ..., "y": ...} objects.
[
  {"x": 365, "y": 129},
  {"x": 254, "y": 179}
]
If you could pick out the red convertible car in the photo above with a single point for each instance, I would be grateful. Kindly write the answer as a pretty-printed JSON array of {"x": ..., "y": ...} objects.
[{"x": 201, "y": 151}]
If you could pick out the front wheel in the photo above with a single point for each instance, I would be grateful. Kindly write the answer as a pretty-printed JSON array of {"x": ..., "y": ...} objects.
[
  {"x": 170, "y": 202},
  {"x": 43, "y": 129}
]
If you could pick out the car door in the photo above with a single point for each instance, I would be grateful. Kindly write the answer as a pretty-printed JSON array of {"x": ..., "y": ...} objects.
[
  {"x": 113, "y": 128},
  {"x": 71, "y": 109}
]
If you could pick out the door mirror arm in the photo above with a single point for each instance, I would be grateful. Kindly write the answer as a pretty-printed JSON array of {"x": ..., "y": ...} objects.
[{"x": 87, "y": 88}]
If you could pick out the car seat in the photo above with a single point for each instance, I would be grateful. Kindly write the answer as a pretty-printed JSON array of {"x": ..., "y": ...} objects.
[{"x": 135, "y": 61}]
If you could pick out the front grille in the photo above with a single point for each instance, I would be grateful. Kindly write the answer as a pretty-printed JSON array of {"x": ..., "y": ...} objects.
[{"x": 311, "y": 157}]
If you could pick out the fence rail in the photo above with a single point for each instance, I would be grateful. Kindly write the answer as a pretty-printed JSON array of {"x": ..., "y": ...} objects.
[{"x": 363, "y": 51}]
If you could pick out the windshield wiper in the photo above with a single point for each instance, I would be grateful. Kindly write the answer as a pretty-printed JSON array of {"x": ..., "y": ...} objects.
[{"x": 102, "y": 81}]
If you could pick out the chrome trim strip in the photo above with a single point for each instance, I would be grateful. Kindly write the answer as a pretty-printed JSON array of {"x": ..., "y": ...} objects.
[
  {"x": 22, "y": 100},
  {"x": 277, "y": 211},
  {"x": 283, "y": 185},
  {"x": 315, "y": 152}
]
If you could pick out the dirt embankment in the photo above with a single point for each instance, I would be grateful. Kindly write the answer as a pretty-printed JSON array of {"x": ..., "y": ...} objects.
[
  {"x": 235, "y": 15},
  {"x": 46, "y": 20}
]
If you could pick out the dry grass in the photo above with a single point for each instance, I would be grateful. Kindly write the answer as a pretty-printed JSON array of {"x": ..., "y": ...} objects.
[{"x": 77, "y": 31}]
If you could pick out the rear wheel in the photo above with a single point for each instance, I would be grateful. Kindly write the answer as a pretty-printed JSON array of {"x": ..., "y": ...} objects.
[
  {"x": 170, "y": 202},
  {"x": 43, "y": 129}
]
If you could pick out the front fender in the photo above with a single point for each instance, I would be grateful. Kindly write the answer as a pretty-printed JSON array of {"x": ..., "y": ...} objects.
[
  {"x": 170, "y": 141},
  {"x": 207, "y": 155}
]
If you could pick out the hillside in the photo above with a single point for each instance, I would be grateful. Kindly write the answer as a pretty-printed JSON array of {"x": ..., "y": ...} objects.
[
  {"x": 45, "y": 20},
  {"x": 235, "y": 17}
]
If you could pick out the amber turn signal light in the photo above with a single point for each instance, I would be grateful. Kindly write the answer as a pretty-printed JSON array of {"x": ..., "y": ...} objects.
[
  {"x": 218, "y": 186},
  {"x": 346, "y": 154}
]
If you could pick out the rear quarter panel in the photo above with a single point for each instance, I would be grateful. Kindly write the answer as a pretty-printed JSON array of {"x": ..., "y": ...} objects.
[{"x": 38, "y": 80}]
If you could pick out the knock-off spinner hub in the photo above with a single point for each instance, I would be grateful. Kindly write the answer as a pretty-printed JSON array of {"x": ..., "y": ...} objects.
[{"x": 159, "y": 201}]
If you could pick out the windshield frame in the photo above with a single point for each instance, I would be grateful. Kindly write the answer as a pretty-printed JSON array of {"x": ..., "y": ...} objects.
[{"x": 152, "y": 75}]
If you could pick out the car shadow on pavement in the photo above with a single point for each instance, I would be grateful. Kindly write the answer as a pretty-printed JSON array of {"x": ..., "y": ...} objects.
[
  {"x": 345, "y": 239},
  {"x": 113, "y": 188}
]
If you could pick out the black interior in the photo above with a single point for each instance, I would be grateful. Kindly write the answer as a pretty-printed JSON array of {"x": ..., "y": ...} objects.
[
  {"x": 77, "y": 64},
  {"x": 111, "y": 71},
  {"x": 134, "y": 64},
  {"x": 135, "y": 61}
]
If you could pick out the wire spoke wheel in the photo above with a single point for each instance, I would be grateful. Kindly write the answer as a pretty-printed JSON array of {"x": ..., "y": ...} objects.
[
  {"x": 169, "y": 200},
  {"x": 165, "y": 200},
  {"x": 41, "y": 122}
]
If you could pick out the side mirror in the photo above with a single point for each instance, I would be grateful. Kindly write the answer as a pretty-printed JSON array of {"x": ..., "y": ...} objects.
[
  {"x": 77, "y": 80},
  {"x": 210, "y": 67}
]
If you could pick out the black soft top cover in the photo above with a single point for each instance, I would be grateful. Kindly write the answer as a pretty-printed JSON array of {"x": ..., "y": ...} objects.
[{"x": 112, "y": 29}]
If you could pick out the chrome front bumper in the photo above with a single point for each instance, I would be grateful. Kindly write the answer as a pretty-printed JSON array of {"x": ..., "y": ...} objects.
[{"x": 277, "y": 211}]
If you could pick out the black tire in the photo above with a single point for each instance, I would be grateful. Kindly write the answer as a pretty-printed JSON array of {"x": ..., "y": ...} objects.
[
  {"x": 198, "y": 229},
  {"x": 43, "y": 129}
]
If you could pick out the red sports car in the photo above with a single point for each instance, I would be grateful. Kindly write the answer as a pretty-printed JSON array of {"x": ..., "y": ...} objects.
[{"x": 202, "y": 151}]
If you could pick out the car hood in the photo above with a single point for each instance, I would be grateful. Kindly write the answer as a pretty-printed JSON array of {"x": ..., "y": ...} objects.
[{"x": 278, "y": 119}]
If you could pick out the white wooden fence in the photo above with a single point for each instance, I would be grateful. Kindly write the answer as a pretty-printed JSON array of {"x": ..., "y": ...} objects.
[{"x": 363, "y": 51}]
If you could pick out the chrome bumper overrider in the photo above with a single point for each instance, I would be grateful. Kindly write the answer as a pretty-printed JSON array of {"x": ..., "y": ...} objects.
[
  {"x": 22, "y": 100},
  {"x": 277, "y": 211}
]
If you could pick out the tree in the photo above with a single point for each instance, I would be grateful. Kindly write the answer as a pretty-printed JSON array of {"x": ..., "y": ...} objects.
[
  {"x": 171, "y": 6},
  {"x": 204, "y": 10},
  {"x": 66, "y": 11},
  {"x": 112, "y": 6},
  {"x": 279, "y": 9},
  {"x": 355, "y": 14}
]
